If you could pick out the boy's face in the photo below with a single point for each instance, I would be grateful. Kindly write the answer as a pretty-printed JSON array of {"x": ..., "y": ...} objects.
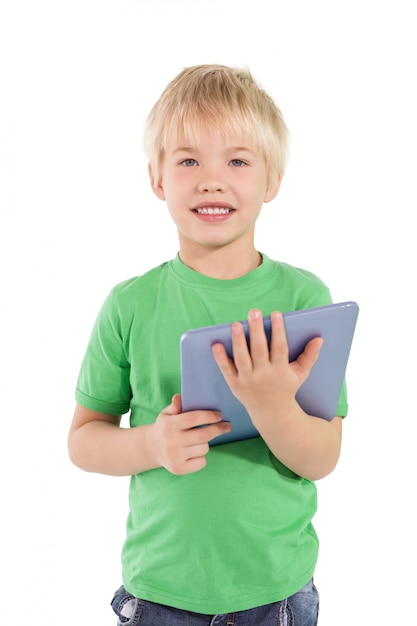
[{"x": 214, "y": 190}]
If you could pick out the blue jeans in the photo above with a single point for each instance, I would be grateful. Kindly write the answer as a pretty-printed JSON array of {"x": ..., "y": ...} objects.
[{"x": 301, "y": 609}]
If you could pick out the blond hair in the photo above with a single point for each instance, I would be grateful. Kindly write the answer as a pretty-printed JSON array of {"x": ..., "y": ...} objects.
[{"x": 223, "y": 99}]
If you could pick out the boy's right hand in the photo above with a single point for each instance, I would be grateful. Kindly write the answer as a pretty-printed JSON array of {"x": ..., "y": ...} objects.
[{"x": 179, "y": 446}]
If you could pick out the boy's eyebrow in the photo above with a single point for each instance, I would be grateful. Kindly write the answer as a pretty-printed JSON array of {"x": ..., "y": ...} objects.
[
  {"x": 241, "y": 149},
  {"x": 183, "y": 149},
  {"x": 227, "y": 150}
]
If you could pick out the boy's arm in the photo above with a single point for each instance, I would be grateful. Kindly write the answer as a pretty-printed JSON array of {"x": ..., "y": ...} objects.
[
  {"x": 97, "y": 442},
  {"x": 266, "y": 383}
]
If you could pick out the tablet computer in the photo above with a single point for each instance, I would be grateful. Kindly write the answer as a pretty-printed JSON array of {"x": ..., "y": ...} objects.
[{"x": 204, "y": 387}]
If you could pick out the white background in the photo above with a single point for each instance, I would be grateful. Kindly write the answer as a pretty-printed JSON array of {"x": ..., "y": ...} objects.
[{"x": 77, "y": 216}]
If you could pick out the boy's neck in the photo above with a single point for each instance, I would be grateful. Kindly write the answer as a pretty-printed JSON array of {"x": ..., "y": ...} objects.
[{"x": 221, "y": 263}]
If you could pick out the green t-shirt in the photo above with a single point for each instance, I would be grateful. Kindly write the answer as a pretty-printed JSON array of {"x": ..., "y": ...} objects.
[{"x": 238, "y": 533}]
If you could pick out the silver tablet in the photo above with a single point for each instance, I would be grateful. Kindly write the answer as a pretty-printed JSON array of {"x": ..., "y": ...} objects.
[{"x": 204, "y": 387}]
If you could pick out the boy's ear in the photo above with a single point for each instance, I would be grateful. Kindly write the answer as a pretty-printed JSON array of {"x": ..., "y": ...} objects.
[
  {"x": 156, "y": 184},
  {"x": 273, "y": 188}
]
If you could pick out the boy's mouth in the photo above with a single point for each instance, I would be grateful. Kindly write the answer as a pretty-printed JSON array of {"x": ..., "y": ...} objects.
[{"x": 213, "y": 210}]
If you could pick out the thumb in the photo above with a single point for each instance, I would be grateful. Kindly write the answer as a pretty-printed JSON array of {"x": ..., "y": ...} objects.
[
  {"x": 175, "y": 406},
  {"x": 306, "y": 360}
]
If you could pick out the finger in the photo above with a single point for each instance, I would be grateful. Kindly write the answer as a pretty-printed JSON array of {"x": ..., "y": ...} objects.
[
  {"x": 194, "y": 465},
  {"x": 259, "y": 350},
  {"x": 201, "y": 436},
  {"x": 225, "y": 364},
  {"x": 241, "y": 354},
  {"x": 191, "y": 419},
  {"x": 279, "y": 344}
]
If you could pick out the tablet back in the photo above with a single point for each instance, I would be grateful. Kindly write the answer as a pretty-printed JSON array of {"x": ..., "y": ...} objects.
[{"x": 203, "y": 385}]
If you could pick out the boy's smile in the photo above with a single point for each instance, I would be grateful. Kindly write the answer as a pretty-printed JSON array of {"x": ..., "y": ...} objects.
[
  {"x": 213, "y": 212},
  {"x": 214, "y": 190}
]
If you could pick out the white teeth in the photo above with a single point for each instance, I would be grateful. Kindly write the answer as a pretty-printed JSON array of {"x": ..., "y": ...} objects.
[{"x": 213, "y": 211}]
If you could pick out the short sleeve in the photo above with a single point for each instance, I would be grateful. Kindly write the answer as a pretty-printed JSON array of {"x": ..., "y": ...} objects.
[{"x": 104, "y": 379}]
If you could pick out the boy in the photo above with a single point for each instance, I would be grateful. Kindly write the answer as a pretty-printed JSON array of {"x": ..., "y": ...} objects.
[{"x": 219, "y": 535}]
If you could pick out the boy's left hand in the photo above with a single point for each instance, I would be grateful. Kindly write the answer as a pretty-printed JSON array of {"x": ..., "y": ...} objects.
[{"x": 262, "y": 379}]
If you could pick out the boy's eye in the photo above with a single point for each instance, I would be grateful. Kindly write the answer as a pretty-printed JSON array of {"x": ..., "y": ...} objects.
[
  {"x": 189, "y": 162},
  {"x": 237, "y": 163}
]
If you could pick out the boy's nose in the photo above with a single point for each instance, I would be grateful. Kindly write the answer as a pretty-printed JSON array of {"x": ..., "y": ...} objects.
[
  {"x": 211, "y": 185},
  {"x": 210, "y": 181}
]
